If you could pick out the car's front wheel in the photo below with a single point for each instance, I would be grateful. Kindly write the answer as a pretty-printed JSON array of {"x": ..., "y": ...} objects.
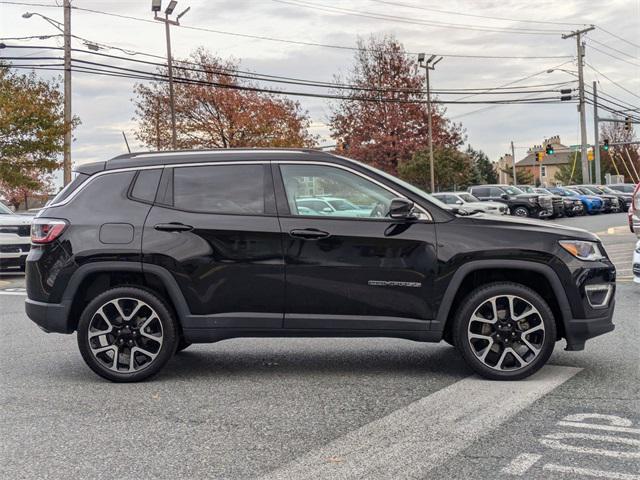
[
  {"x": 126, "y": 334},
  {"x": 521, "y": 211},
  {"x": 505, "y": 331}
]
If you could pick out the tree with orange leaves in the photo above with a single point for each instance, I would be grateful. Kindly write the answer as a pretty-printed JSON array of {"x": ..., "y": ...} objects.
[
  {"x": 383, "y": 121},
  {"x": 226, "y": 115}
]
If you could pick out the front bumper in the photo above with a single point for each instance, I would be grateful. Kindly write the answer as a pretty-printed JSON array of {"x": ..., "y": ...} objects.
[
  {"x": 50, "y": 317},
  {"x": 578, "y": 331}
]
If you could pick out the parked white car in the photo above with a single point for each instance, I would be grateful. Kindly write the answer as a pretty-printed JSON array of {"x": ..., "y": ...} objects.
[
  {"x": 15, "y": 238},
  {"x": 471, "y": 204}
]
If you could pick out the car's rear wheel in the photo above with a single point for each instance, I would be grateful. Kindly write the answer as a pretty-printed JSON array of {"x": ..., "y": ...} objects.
[
  {"x": 505, "y": 331},
  {"x": 521, "y": 211},
  {"x": 126, "y": 334}
]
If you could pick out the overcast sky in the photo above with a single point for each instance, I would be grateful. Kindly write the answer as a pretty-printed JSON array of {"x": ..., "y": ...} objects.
[{"x": 105, "y": 108}]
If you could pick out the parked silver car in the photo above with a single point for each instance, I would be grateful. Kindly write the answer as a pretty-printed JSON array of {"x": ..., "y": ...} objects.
[
  {"x": 471, "y": 204},
  {"x": 15, "y": 238}
]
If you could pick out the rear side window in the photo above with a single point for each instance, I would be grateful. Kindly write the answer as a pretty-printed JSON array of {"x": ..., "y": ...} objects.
[
  {"x": 480, "y": 192},
  {"x": 496, "y": 192},
  {"x": 235, "y": 189},
  {"x": 145, "y": 185},
  {"x": 79, "y": 179}
]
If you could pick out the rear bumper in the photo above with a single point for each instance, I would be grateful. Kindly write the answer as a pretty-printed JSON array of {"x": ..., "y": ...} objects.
[
  {"x": 578, "y": 331},
  {"x": 50, "y": 317}
]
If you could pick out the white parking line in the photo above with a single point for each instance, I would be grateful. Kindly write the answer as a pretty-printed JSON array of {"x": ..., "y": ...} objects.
[
  {"x": 595, "y": 426},
  {"x": 9, "y": 292},
  {"x": 588, "y": 472},
  {"x": 417, "y": 438},
  {"x": 521, "y": 463}
]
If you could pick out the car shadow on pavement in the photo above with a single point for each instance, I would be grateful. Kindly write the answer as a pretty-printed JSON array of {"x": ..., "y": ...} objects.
[{"x": 425, "y": 360}]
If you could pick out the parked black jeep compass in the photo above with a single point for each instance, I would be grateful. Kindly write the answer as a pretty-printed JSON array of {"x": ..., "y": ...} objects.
[{"x": 147, "y": 253}]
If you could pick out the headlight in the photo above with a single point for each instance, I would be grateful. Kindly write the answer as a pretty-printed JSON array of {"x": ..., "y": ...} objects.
[{"x": 582, "y": 249}]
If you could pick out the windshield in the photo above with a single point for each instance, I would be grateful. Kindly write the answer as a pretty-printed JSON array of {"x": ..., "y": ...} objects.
[
  {"x": 342, "y": 205},
  {"x": 543, "y": 190},
  {"x": 527, "y": 189},
  {"x": 4, "y": 210},
  {"x": 467, "y": 197},
  {"x": 512, "y": 190},
  {"x": 608, "y": 190},
  {"x": 593, "y": 189}
]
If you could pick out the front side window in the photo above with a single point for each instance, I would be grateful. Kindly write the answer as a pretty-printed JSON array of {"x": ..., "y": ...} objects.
[
  {"x": 231, "y": 189},
  {"x": 467, "y": 197},
  {"x": 318, "y": 190}
]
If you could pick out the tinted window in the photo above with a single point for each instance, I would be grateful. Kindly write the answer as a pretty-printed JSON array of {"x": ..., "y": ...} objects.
[
  {"x": 496, "y": 192},
  {"x": 329, "y": 191},
  {"x": 79, "y": 179},
  {"x": 235, "y": 189},
  {"x": 146, "y": 185},
  {"x": 480, "y": 192}
]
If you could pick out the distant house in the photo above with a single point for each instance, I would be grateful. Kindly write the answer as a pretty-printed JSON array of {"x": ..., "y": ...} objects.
[{"x": 545, "y": 171}]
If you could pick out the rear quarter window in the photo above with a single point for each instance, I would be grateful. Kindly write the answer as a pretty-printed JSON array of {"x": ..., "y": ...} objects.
[
  {"x": 145, "y": 185},
  {"x": 71, "y": 187}
]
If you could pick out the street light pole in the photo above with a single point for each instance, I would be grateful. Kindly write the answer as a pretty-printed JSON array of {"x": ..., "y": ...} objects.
[
  {"x": 513, "y": 159},
  {"x": 156, "y": 7},
  {"x": 581, "y": 103},
  {"x": 596, "y": 134},
  {"x": 66, "y": 162},
  {"x": 429, "y": 66}
]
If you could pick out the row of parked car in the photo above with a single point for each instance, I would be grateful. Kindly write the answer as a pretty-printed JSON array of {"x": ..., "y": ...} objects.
[{"x": 539, "y": 202}]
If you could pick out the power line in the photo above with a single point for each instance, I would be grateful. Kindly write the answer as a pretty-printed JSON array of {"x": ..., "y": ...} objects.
[
  {"x": 619, "y": 37},
  {"x": 613, "y": 56},
  {"x": 614, "y": 49},
  {"x": 294, "y": 42},
  {"x": 612, "y": 81},
  {"x": 396, "y": 18},
  {"x": 490, "y": 17},
  {"x": 502, "y": 89}
]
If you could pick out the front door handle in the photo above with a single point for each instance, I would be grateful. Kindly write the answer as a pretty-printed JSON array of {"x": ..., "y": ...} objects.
[
  {"x": 173, "y": 227},
  {"x": 309, "y": 233}
]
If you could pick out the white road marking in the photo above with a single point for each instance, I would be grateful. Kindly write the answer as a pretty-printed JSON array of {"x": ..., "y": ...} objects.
[
  {"x": 554, "y": 440},
  {"x": 521, "y": 463},
  {"x": 7, "y": 292},
  {"x": 588, "y": 472},
  {"x": 595, "y": 426},
  {"x": 612, "y": 419},
  {"x": 417, "y": 438}
]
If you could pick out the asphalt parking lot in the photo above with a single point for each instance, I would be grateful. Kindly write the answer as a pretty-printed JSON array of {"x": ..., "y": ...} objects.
[{"x": 324, "y": 409}]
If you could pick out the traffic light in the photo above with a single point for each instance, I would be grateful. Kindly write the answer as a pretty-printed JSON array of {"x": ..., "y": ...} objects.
[
  {"x": 605, "y": 146},
  {"x": 590, "y": 155},
  {"x": 627, "y": 123},
  {"x": 539, "y": 156},
  {"x": 549, "y": 150}
]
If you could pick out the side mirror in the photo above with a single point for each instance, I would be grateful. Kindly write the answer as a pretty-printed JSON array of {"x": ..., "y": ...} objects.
[
  {"x": 504, "y": 196},
  {"x": 459, "y": 202},
  {"x": 401, "y": 209},
  {"x": 327, "y": 210}
]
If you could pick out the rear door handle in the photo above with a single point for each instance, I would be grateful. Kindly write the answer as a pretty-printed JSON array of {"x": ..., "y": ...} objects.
[
  {"x": 173, "y": 227},
  {"x": 309, "y": 233}
]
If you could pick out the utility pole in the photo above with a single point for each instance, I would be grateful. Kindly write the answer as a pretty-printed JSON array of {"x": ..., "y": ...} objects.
[
  {"x": 581, "y": 103},
  {"x": 66, "y": 161},
  {"x": 513, "y": 159},
  {"x": 156, "y": 6},
  {"x": 429, "y": 66},
  {"x": 596, "y": 134}
]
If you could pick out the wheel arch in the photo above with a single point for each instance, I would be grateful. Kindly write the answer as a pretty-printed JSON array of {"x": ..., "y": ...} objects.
[
  {"x": 537, "y": 276},
  {"x": 90, "y": 279}
]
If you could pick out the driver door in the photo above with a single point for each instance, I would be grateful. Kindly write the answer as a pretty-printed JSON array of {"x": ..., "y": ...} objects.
[{"x": 354, "y": 268}]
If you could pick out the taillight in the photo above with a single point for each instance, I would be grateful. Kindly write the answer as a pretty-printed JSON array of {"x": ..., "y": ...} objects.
[{"x": 46, "y": 230}]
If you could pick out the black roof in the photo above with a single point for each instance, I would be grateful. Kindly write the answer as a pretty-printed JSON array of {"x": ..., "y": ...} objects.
[{"x": 143, "y": 159}]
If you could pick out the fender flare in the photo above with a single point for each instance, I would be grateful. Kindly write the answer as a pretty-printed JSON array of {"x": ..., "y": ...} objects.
[
  {"x": 452, "y": 289},
  {"x": 163, "y": 274}
]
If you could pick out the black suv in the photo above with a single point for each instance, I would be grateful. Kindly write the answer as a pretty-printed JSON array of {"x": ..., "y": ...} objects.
[
  {"x": 520, "y": 204},
  {"x": 147, "y": 253}
]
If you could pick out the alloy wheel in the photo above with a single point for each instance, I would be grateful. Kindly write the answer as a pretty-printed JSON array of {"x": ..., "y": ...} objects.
[
  {"x": 506, "y": 332},
  {"x": 125, "y": 335}
]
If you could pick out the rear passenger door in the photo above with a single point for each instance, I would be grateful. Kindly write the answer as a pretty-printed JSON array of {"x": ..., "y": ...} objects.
[{"x": 214, "y": 228}]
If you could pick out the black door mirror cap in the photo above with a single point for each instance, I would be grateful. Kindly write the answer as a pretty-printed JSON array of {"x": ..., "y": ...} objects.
[{"x": 402, "y": 209}]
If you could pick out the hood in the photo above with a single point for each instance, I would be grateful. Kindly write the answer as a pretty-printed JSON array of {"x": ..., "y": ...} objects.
[{"x": 539, "y": 226}]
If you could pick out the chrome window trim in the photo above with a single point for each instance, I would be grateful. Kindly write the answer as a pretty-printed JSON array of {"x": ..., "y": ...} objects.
[
  {"x": 238, "y": 162},
  {"x": 217, "y": 152}
]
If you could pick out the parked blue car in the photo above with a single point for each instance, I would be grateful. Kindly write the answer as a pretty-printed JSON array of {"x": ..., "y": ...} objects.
[{"x": 591, "y": 203}]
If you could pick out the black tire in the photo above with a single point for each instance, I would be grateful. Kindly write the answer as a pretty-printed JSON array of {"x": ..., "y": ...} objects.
[
  {"x": 165, "y": 323},
  {"x": 544, "y": 316},
  {"x": 521, "y": 211},
  {"x": 182, "y": 344}
]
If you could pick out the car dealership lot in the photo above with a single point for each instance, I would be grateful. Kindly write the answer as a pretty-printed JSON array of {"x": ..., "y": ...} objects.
[{"x": 315, "y": 408}]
